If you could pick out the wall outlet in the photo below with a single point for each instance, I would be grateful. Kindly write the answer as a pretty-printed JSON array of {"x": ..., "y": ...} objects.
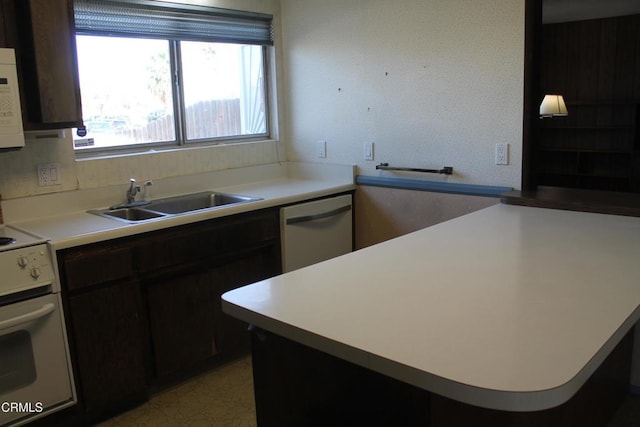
[
  {"x": 368, "y": 151},
  {"x": 48, "y": 174},
  {"x": 322, "y": 149},
  {"x": 502, "y": 154}
]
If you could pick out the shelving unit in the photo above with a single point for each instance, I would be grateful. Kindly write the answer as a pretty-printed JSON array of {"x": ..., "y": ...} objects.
[
  {"x": 594, "y": 64},
  {"x": 594, "y": 147}
]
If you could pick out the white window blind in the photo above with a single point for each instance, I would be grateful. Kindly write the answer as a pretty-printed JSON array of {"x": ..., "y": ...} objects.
[{"x": 157, "y": 19}]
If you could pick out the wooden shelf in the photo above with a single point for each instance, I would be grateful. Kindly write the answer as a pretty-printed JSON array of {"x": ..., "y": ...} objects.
[
  {"x": 585, "y": 150},
  {"x": 595, "y": 127},
  {"x": 594, "y": 64},
  {"x": 608, "y": 202}
]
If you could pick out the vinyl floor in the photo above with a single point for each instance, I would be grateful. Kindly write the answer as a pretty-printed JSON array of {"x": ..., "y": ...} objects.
[
  {"x": 223, "y": 397},
  {"x": 219, "y": 398}
]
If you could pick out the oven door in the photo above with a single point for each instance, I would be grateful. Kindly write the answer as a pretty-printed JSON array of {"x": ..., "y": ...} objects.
[{"x": 35, "y": 374}]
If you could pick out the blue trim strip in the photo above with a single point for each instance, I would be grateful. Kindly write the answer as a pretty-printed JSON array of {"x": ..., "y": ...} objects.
[
  {"x": 634, "y": 389},
  {"x": 434, "y": 186}
]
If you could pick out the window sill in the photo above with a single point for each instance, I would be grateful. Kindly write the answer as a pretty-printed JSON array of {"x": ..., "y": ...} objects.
[{"x": 88, "y": 156}]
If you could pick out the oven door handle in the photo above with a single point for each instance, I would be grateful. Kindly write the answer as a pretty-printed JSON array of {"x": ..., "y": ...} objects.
[{"x": 28, "y": 317}]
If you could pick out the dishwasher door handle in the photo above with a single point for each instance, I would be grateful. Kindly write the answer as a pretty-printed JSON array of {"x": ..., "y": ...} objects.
[{"x": 307, "y": 218}]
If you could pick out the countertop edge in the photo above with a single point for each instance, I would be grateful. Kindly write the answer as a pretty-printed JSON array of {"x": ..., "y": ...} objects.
[
  {"x": 486, "y": 398},
  {"x": 553, "y": 394}
]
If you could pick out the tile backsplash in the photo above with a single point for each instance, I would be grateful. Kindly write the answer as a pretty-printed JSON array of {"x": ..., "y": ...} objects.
[{"x": 18, "y": 169}]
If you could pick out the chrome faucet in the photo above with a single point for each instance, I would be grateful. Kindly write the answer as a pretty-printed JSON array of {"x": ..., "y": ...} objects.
[{"x": 132, "y": 191}]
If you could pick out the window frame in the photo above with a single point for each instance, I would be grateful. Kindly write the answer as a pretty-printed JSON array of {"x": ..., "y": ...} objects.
[{"x": 179, "y": 107}]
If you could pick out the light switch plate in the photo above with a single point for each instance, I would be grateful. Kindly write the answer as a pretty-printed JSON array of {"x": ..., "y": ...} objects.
[
  {"x": 322, "y": 149},
  {"x": 368, "y": 151}
]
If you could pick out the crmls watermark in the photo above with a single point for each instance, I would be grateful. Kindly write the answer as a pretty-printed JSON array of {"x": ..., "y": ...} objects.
[{"x": 21, "y": 407}]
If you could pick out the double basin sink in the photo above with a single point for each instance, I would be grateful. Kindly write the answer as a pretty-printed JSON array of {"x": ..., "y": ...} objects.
[{"x": 170, "y": 206}]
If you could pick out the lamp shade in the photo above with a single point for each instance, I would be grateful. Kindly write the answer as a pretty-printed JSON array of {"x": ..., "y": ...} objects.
[{"x": 553, "y": 105}]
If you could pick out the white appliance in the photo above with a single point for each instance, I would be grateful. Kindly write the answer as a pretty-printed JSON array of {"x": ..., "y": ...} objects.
[
  {"x": 316, "y": 231},
  {"x": 11, "y": 135},
  {"x": 35, "y": 368}
]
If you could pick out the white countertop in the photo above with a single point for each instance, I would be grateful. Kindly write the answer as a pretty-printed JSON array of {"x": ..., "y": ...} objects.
[
  {"x": 508, "y": 308},
  {"x": 63, "y": 218}
]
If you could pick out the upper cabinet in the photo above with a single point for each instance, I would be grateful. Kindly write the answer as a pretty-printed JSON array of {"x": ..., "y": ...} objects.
[{"x": 43, "y": 35}]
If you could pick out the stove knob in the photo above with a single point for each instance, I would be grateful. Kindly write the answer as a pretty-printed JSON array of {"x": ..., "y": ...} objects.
[
  {"x": 23, "y": 261},
  {"x": 35, "y": 272}
]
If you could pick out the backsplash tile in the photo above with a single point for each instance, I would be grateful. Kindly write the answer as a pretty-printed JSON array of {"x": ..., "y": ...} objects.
[{"x": 18, "y": 169}]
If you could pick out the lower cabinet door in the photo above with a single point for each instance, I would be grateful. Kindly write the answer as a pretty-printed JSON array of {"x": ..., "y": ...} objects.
[
  {"x": 110, "y": 346},
  {"x": 252, "y": 267},
  {"x": 181, "y": 318}
]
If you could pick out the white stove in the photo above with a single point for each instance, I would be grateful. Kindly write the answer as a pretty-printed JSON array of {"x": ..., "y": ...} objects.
[
  {"x": 26, "y": 262},
  {"x": 11, "y": 238},
  {"x": 35, "y": 368}
]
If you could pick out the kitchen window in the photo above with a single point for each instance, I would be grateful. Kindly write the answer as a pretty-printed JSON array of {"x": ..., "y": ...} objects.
[{"x": 156, "y": 74}]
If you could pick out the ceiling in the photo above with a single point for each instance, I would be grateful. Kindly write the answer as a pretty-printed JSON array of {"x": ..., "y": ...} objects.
[{"x": 579, "y": 10}]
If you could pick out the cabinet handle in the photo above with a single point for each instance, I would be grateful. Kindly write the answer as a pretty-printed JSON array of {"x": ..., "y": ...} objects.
[
  {"x": 307, "y": 218},
  {"x": 26, "y": 318}
]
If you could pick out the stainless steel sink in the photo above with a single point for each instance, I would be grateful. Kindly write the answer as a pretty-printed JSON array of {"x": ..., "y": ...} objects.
[
  {"x": 166, "y": 207},
  {"x": 128, "y": 214},
  {"x": 196, "y": 201}
]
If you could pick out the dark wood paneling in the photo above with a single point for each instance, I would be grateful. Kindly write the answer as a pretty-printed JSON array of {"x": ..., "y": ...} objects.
[
  {"x": 626, "y": 56},
  {"x": 532, "y": 63},
  {"x": 3, "y": 29},
  {"x": 594, "y": 64},
  {"x": 607, "y": 202}
]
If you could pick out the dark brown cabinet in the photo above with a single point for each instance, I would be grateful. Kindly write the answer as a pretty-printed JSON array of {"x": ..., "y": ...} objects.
[
  {"x": 106, "y": 324},
  {"x": 181, "y": 321},
  {"x": 43, "y": 34},
  {"x": 146, "y": 309},
  {"x": 185, "y": 270},
  {"x": 109, "y": 345}
]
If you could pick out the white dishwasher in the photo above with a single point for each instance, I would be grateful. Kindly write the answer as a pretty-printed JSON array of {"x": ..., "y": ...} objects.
[{"x": 316, "y": 231}]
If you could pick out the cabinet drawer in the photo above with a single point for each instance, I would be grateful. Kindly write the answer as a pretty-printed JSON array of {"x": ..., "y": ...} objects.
[
  {"x": 96, "y": 265},
  {"x": 191, "y": 244}
]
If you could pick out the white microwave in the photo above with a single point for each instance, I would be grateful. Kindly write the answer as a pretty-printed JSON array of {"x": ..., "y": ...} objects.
[{"x": 11, "y": 132}]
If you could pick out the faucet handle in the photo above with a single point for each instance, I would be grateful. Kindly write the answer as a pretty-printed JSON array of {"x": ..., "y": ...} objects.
[{"x": 146, "y": 191}]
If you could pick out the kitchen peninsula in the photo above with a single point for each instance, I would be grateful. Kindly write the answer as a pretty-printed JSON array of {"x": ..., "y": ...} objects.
[{"x": 512, "y": 315}]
